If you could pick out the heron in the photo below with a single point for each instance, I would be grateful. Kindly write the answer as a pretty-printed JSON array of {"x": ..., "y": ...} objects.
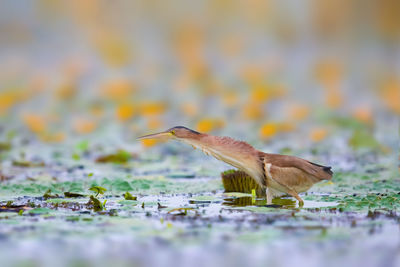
[{"x": 277, "y": 174}]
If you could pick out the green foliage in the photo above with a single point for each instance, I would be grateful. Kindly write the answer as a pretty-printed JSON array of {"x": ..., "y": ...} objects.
[
  {"x": 40, "y": 211},
  {"x": 128, "y": 202},
  {"x": 27, "y": 164},
  {"x": 96, "y": 204},
  {"x": 348, "y": 122},
  {"x": 128, "y": 196},
  {"x": 120, "y": 157},
  {"x": 182, "y": 211},
  {"x": 228, "y": 172},
  {"x": 253, "y": 193},
  {"x": 204, "y": 199},
  {"x": 121, "y": 185},
  {"x": 239, "y": 181},
  {"x": 82, "y": 146},
  {"x": 384, "y": 201},
  {"x": 363, "y": 139},
  {"x": 181, "y": 175},
  {"x": 48, "y": 194},
  {"x": 5, "y": 146},
  {"x": 72, "y": 195},
  {"x": 98, "y": 190}
]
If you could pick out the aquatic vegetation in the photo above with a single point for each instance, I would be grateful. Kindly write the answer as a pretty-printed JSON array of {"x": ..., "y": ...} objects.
[
  {"x": 72, "y": 195},
  {"x": 168, "y": 204},
  {"x": 98, "y": 190},
  {"x": 128, "y": 196},
  {"x": 182, "y": 211},
  {"x": 238, "y": 181},
  {"x": 77, "y": 190},
  {"x": 48, "y": 195},
  {"x": 96, "y": 204},
  {"x": 27, "y": 164},
  {"x": 120, "y": 157}
]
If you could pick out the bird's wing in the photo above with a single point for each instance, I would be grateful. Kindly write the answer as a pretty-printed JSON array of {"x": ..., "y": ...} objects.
[{"x": 284, "y": 161}]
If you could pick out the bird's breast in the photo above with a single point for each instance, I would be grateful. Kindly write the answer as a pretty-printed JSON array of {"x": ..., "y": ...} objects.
[{"x": 243, "y": 162}]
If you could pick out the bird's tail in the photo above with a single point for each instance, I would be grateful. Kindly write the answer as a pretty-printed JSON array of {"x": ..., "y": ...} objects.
[{"x": 326, "y": 169}]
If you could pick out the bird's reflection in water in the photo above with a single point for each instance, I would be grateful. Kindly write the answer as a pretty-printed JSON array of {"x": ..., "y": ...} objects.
[
  {"x": 240, "y": 201},
  {"x": 249, "y": 201},
  {"x": 284, "y": 202}
]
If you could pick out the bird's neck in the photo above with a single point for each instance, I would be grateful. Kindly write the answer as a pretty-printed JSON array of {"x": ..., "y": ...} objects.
[{"x": 236, "y": 153}]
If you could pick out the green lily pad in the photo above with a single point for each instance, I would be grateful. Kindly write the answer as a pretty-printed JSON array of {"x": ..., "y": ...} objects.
[
  {"x": 40, "y": 211},
  {"x": 236, "y": 194},
  {"x": 181, "y": 175},
  {"x": 363, "y": 139},
  {"x": 204, "y": 199},
  {"x": 128, "y": 202}
]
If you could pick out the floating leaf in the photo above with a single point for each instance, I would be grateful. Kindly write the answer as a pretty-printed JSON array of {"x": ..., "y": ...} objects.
[
  {"x": 73, "y": 195},
  {"x": 76, "y": 156},
  {"x": 27, "y": 164},
  {"x": 5, "y": 146},
  {"x": 236, "y": 194},
  {"x": 83, "y": 145},
  {"x": 13, "y": 208},
  {"x": 120, "y": 185},
  {"x": 347, "y": 122},
  {"x": 128, "y": 202},
  {"x": 181, "y": 175},
  {"x": 362, "y": 139},
  {"x": 182, "y": 211},
  {"x": 48, "y": 194},
  {"x": 128, "y": 196},
  {"x": 159, "y": 206},
  {"x": 40, "y": 211},
  {"x": 120, "y": 157},
  {"x": 203, "y": 199}
]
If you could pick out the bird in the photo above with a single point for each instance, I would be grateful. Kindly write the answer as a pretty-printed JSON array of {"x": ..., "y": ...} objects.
[{"x": 278, "y": 174}]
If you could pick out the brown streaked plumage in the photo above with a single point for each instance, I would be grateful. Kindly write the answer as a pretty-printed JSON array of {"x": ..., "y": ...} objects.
[{"x": 279, "y": 174}]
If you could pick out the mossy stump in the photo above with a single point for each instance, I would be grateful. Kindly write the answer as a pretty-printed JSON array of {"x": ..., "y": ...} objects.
[{"x": 239, "y": 181}]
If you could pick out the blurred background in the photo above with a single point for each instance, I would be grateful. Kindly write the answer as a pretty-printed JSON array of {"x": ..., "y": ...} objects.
[
  {"x": 80, "y": 80},
  {"x": 254, "y": 69}
]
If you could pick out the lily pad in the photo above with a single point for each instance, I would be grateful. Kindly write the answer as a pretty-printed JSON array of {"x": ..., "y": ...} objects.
[
  {"x": 40, "y": 211},
  {"x": 204, "y": 199},
  {"x": 128, "y": 202},
  {"x": 180, "y": 175}
]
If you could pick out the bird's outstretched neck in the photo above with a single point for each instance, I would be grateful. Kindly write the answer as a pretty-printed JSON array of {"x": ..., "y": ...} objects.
[{"x": 236, "y": 153}]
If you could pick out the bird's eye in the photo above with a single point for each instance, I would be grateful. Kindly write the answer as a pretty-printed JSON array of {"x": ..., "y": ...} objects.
[{"x": 173, "y": 132}]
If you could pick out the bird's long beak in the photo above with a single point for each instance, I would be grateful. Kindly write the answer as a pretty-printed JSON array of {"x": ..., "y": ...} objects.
[{"x": 162, "y": 135}]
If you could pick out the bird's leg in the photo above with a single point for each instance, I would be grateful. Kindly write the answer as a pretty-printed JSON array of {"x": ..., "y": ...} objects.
[
  {"x": 270, "y": 196},
  {"x": 294, "y": 194}
]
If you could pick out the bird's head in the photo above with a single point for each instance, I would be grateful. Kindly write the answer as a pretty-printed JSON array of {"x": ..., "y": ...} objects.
[{"x": 178, "y": 132}]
